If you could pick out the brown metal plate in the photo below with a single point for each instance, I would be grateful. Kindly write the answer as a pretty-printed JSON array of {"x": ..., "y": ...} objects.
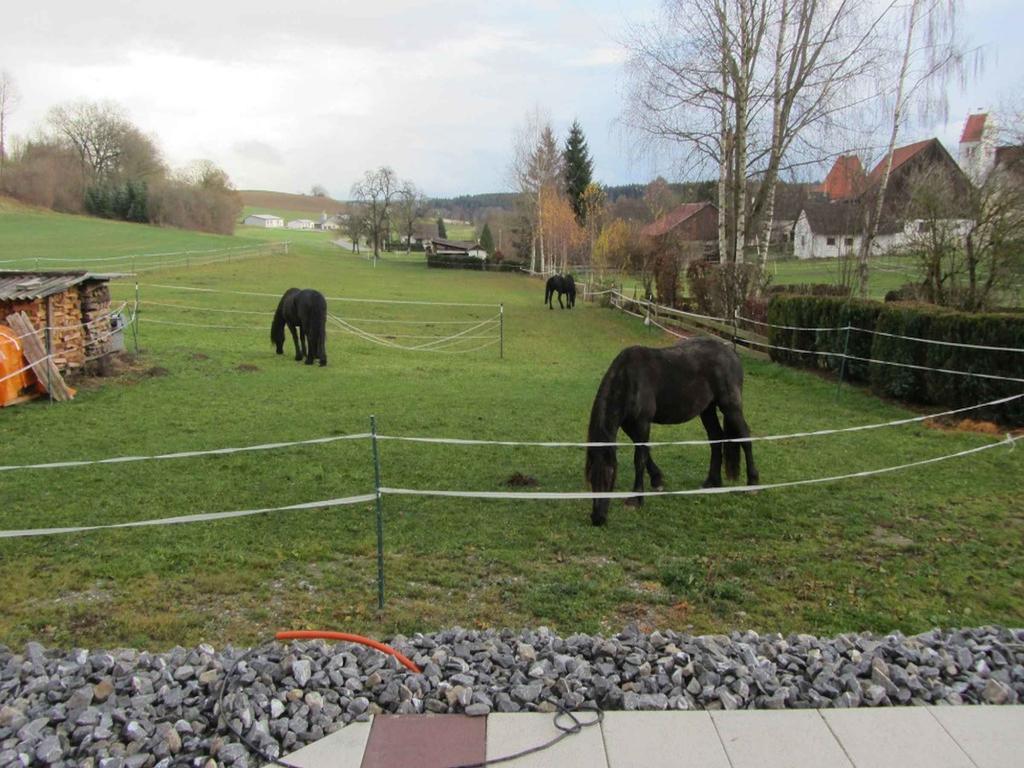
[{"x": 425, "y": 741}]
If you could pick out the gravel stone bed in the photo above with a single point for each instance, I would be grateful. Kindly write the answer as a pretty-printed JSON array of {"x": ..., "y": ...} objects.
[{"x": 135, "y": 709}]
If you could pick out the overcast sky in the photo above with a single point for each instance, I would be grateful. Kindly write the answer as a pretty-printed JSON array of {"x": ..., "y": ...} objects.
[{"x": 315, "y": 92}]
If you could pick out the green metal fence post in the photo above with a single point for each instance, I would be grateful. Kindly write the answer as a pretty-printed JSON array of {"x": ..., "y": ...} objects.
[
  {"x": 380, "y": 513},
  {"x": 842, "y": 360}
]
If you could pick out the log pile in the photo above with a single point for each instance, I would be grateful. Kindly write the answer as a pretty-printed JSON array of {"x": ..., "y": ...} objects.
[{"x": 95, "y": 317}]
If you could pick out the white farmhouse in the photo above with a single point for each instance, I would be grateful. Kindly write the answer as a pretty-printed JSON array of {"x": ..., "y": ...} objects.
[
  {"x": 263, "y": 220},
  {"x": 301, "y": 224}
]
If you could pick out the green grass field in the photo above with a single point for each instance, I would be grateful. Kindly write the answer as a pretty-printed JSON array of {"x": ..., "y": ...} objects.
[{"x": 939, "y": 545}]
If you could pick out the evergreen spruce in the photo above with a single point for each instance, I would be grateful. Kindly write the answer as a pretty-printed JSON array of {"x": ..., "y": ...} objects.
[
  {"x": 441, "y": 231},
  {"x": 579, "y": 169},
  {"x": 487, "y": 240}
]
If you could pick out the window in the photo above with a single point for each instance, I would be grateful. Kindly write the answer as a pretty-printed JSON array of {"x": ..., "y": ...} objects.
[
  {"x": 848, "y": 242},
  {"x": 830, "y": 241}
]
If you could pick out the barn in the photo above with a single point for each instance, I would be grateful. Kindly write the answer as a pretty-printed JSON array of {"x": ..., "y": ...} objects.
[{"x": 71, "y": 311}]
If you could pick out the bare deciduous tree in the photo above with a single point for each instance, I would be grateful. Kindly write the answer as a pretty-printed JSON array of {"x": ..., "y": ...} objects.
[
  {"x": 9, "y": 98},
  {"x": 95, "y": 130},
  {"x": 738, "y": 83},
  {"x": 931, "y": 52},
  {"x": 377, "y": 191},
  {"x": 410, "y": 205},
  {"x": 536, "y": 170}
]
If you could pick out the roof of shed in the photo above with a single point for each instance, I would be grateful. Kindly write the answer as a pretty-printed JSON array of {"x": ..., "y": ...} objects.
[
  {"x": 16, "y": 285},
  {"x": 674, "y": 218}
]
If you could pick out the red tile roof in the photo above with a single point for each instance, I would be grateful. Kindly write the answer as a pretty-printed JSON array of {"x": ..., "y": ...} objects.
[
  {"x": 900, "y": 155},
  {"x": 845, "y": 180},
  {"x": 973, "y": 128},
  {"x": 673, "y": 219}
]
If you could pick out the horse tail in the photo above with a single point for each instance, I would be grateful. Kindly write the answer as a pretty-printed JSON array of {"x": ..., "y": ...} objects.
[{"x": 320, "y": 327}]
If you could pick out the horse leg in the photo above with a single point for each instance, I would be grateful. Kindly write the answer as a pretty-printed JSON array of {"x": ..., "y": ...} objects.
[
  {"x": 639, "y": 433},
  {"x": 295, "y": 341},
  {"x": 308, "y": 344},
  {"x": 710, "y": 420},
  {"x": 560, "y": 304},
  {"x": 736, "y": 426}
]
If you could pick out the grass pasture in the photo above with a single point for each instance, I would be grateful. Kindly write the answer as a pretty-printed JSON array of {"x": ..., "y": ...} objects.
[{"x": 939, "y": 545}]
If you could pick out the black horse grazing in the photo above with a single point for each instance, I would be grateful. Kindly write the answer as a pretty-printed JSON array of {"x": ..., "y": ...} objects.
[
  {"x": 562, "y": 285},
  {"x": 667, "y": 386},
  {"x": 305, "y": 310}
]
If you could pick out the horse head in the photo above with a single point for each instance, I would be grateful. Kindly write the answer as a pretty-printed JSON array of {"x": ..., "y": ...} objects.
[{"x": 600, "y": 472}]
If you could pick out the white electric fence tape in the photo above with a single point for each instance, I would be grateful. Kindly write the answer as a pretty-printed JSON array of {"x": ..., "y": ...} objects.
[
  {"x": 329, "y": 298},
  {"x": 830, "y": 329},
  {"x": 537, "y": 495},
  {"x": 506, "y": 443},
  {"x": 203, "y": 517},
  {"x": 189, "y": 454}
]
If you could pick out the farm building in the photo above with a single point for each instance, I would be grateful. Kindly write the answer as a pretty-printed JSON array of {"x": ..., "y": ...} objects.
[
  {"x": 834, "y": 228},
  {"x": 691, "y": 226},
  {"x": 263, "y": 220},
  {"x": 301, "y": 224},
  {"x": 439, "y": 247},
  {"x": 328, "y": 222},
  {"x": 75, "y": 306}
]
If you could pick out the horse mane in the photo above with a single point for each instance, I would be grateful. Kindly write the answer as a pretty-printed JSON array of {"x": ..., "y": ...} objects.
[
  {"x": 606, "y": 416},
  {"x": 278, "y": 325}
]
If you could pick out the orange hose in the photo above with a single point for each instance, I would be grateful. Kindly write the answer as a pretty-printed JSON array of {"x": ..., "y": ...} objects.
[{"x": 320, "y": 634}]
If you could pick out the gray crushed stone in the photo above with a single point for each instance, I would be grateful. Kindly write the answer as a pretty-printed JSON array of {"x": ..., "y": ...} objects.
[{"x": 135, "y": 709}]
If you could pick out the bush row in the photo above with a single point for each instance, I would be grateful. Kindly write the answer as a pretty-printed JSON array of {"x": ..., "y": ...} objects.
[{"x": 916, "y": 320}]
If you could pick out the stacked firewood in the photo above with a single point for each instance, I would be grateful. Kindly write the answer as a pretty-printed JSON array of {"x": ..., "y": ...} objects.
[{"x": 95, "y": 317}]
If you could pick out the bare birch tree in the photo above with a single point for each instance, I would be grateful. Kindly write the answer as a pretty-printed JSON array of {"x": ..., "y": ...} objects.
[
  {"x": 737, "y": 83},
  {"x": 536, "y": 169},
  {"x": 9, "y": 98},
  {"x": 930, "y": 54}
]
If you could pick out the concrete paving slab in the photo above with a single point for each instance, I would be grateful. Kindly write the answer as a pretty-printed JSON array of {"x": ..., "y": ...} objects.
[
  {"x": 993, "y": 737},
  {"x": 895, "y": 737},
  {"x": 513, "y": 732},
  {"x": 341, "y": 749},
  {"x": 784, "y": 739},
  {"x": 662, "y": 739}
]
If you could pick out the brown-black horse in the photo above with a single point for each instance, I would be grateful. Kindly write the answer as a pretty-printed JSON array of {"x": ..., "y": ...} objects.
[
  {"x": 645, "y": 385},
  {"x": 562, "y": 285},
  {"x": 305, "y": 311}
]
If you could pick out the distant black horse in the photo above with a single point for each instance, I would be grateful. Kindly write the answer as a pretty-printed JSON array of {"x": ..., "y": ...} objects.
[
  {"x": 560, "y": 284},
  {"x": 667, "y": 386},
  {"x": 305, "y": 310}
]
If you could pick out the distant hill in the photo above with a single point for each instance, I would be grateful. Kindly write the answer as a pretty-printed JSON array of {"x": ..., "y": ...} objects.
[{"x": 258, "y": 198}]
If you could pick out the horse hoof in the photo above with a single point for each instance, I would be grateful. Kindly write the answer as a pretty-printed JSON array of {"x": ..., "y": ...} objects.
[
  {"x": 309, "y": 362},
  {"x": 658, "y": 488},
  {"x": 323, "y": 363},
  {"x": 711, "y": 484},
  {"x": 634, "y": 503}
]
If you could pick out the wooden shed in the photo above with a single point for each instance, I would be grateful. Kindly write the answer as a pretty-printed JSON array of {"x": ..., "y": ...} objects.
[{"x": 74, "y": 306}]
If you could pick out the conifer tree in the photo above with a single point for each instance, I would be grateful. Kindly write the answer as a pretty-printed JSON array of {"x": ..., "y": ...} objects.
[
  {"x": 487, "y": 240},
  {"x": 441, "y": 231},
  {"x": 579, "y": 169}
]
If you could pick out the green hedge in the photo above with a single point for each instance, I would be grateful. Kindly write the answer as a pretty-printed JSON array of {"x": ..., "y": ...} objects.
[{"x": 921, "y": 321}]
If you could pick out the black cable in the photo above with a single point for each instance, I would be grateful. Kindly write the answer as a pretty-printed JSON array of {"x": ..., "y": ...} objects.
[{"x": 575, "y": 727}]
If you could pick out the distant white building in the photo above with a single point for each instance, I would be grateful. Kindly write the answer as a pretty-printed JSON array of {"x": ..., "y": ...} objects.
[
  {"x": 301, "y": 224},
  {"x": 263, "y": 220},
  {"x": 327, "y": 222}
]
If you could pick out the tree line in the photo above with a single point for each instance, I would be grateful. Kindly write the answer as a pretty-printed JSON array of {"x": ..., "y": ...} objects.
[{"x": 88, "y": 157}]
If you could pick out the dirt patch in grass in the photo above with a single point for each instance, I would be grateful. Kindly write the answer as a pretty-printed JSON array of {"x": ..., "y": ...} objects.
[
  {"x": 247, "y": 368},
  {"x": 519, "y": 480},
  {"x": 198, "y": 356},
  {"x": 156, "y": 372},
  {"x": 966, "y": 425}
]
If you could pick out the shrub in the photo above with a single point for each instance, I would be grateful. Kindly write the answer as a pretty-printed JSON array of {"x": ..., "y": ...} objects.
[
  {"x": 921, "y": 321},
  {"x": 718, "y": 289}
]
